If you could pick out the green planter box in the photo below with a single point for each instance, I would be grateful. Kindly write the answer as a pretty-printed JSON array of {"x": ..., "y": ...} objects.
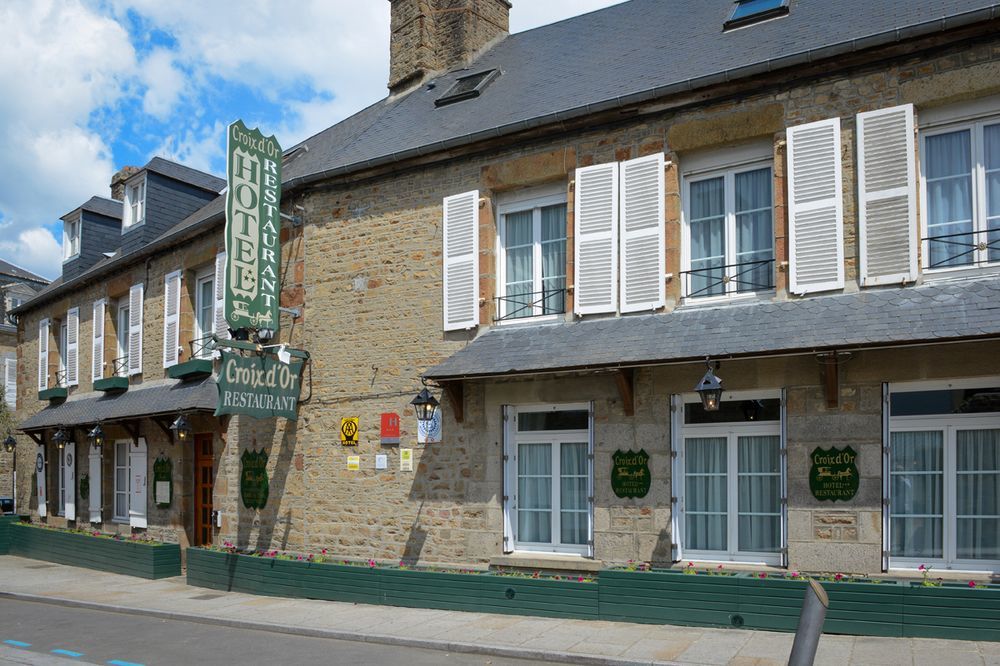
[
  {"x": 544, "y": 597},
  {"x": 6, "y": 528},
  {"x": 431, "y": 589},
  {"x": 953, "y": 610},
  {"x": 668, "y": 597},
  {"x": 81, "y": 550}
]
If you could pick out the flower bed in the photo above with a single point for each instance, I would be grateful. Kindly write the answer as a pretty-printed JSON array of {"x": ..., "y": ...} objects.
[{"x": 131, "y": 557}]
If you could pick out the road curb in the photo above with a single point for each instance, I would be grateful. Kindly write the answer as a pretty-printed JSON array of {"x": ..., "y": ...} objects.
[{"x": 382, "y": 639}]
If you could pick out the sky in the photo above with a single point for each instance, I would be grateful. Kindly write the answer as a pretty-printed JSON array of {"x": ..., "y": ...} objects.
[{"x": 91, "y": 86}]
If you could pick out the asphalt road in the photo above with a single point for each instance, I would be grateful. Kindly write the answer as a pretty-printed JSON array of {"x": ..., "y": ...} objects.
[{"x": 30, "y": 632}]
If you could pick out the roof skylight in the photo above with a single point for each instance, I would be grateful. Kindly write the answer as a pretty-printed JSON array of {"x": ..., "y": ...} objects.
[
  {"x": 751, "y": 11},
  {"x": 467, "y": 87}
]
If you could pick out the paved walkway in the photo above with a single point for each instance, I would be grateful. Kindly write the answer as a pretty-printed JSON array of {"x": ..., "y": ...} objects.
[{"x": 569, "y": 641}]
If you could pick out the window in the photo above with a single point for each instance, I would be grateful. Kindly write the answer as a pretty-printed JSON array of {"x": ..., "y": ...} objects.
[
  {"x": 550, "y": 478},
  {"x": 943, "y": 487},
  {"x": 532, "y": 258},
  {"x": 72, "y": 230},
  {"x": 751, "y": 11},
  {"x": 121, "y": 363},
  {"x": 204, "y": 310},
  {"x": 960, "y": 168},
  {"x": 467, "y": 87},
  {"x": 729, "y": 236},
  {"x": 731, "y": 473},
  {"x": 63, "y": 350},
  {"x": 13, "y": 302},
  {"x": 135, "y": 203},
  {"x": 122, "y": 476}
]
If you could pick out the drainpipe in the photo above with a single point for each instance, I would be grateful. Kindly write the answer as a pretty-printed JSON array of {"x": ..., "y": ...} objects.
[{"x": 810, "y": 625}]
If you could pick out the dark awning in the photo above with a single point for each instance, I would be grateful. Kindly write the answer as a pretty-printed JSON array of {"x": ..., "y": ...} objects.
[
  {"x": 945, "y": 311},
  {"x": 153, "y": 398}
]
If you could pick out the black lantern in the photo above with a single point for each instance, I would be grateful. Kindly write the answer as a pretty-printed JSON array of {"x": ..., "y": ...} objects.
[
  {"x": 60, "y": 438},
  {"x": 10, "y": 443},
  {"x": 710, "y": 388},
  {"x": 181, "y": 428},
  {"x": 96, "y": 436},
  {"x": 425, "y": 405}
]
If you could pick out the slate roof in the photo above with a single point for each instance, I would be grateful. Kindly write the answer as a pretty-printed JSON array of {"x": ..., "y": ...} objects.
[
  {"x": 935, "y": 313},
  {"x": 205, "y": 181},
  {"x": 8, "y": 269},
  {"x": 164, "y": 396},
  {"x": 101, "y": 206}
]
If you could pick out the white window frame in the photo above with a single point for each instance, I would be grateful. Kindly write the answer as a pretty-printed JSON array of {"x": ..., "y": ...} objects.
[
  {"x": 61, "y": 506},
  {"x": 975, "y": 126},
  {"x": 949, "y": 424},
  {"x": 555, "y": 438},
  {"x": 706, "y": 167},
  {"x": 61, "y": 379},
  {"x": 534, "y": 199},
  {"x": 72, "y": 237},
  {"x": 731, "y": 431},
  {"x": 202, "y": 276},
  {"x": 127, "y": 491},
  {"x": 134, "y": 209},
  {"x": 13, "y": 302},
  {"x": 121, "y": 335}
]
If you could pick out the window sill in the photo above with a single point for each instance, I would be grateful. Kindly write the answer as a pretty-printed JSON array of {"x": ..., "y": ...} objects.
[
  {"x": 959, "y": 272},
  {"x": 529, "y": 321},
  {"x": 715, "y": 301},
  {"x": 126, "y": 229},
  {"x": 559, "y": 561},
  {"x": 729, "y": 565}
]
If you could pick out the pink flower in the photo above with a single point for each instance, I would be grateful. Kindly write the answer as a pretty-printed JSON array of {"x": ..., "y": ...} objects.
[
  {"x": 795, "y": 574},
  {"x": 972, "y": 583},
  {"x": 922, "y": 568},
  {"x": 323, "y": 551},
  {"x": 690, "y": 564},
  {"x": 580, "y": 579},
  {"x": 838, "y": 577},
  {"x": 762, "y": 575},
  {"x": 719, "y": 567},
  {"x": 371, "y": 564}
]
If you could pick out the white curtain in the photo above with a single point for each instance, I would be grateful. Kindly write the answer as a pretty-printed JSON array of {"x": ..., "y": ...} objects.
[
  {"x": 916, "y": 506},
  {"x": 754, "y": 236},
  {"x": 949, "y": 197},
  {"x": 518, "y": 249},
  {"x": 991, "y": 139},
  {"x": 534, "y": 493},
  {"x": 708, "y": 237},
  {"x": 759, "y": 493},
  {"x": 573, "y": 509},
  {"x": 554, "y": 259},
  {"x": 705, "y": 491},
  {"x": 978, "y": 494}
]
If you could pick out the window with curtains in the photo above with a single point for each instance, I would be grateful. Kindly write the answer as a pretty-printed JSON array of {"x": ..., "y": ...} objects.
[
  {"x": 960, "y": 169},
  {"x": 943, "y": 462},
  {"x": 135, "y": 204},
  {"x": 532, "y": 256},
  {"x": 728, "y": 232},
  {"x": 204, "y": 310},
  {"x": 122, "y": 477},
  {"x": 121, "y": 333},
  {"x": 548, "y": 454},
  {"x": 731, "y": 491}
]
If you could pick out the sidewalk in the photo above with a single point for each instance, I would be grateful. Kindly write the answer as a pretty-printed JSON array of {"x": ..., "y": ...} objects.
[{"x": 568, "y": 641}]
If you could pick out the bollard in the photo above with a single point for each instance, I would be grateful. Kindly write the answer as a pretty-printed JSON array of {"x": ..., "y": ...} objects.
[{"x": 810, "y": 625}]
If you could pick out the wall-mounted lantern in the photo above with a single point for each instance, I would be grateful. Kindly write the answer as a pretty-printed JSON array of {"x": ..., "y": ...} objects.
[
  {"x": 9, "y": 444},
  {"x": 181, "y": 429},
  {"x": 60, "y": 439},
  {"x": 96, "y": 436},
  {"x": 425, "y": 405},
  {"x": 710, "y": 388}
]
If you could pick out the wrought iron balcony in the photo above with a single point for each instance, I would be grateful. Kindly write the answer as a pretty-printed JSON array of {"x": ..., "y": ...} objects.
[
  {"x": 970, "y": 248},
  {"x": 530, "y": 304},
  {"x": 202, "y": 347},
  {"x": 61, "y": 376},
  {"x": 747, "y": 276},
  {"x": 120, "y": 366}
]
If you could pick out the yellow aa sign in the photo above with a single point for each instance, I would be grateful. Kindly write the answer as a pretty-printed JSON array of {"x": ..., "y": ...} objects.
[{"x": 349, "y": 431}]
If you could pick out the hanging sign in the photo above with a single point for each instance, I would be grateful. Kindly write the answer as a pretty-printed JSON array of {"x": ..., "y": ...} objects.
[
  {"x": 259, "y": 386},
  {"x": 163, "y": 484},
  {"x": 429, "y": 432},
  {"x": 406, "y": 460},
  {"x": 254, "y": 486},
  {"x": 253, "y": 225},
  {"x": 630, "y": 473},
  {"x": 349, "y": 431},
  {"x": 390, "y": 428},
  {"x": 834, "y": 473}
]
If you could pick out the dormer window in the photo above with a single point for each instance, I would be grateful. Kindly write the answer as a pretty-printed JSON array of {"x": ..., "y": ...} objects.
[
  {"x": 71, "y": 238},
  {"x": 135, "y": 204},
  {"x": 753, "y": 11}
]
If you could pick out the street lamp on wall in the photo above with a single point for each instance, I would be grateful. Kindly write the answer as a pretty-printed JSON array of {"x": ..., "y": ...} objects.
[
  {"x": 60, "y": 439},
  {"x": 10, "y": 443},
  {"x": 181, "y": 429},
  {"x": 710, "y": 388},
  {"x": 425, "y": 405},
  {"x": 96, "y": 436}
]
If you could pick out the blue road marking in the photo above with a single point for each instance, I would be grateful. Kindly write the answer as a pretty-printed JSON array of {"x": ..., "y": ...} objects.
[
  {"x": 68, "y": 653},
  {"x": 119, "y": 662},
  {"x": 18, "y": 643}
]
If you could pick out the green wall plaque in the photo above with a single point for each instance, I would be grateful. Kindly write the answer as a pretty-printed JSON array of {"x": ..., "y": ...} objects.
[
  {"x": 254, "y": 485},
  {"x": 163, "y": 482},
  {"x": 630, "y": 473},
  {"x": 834, "y": 473}
]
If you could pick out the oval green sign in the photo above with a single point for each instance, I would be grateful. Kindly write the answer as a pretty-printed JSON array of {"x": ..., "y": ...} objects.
[
  {"x": 630, "y": 473},
  {"x": 834, "y": 473}
]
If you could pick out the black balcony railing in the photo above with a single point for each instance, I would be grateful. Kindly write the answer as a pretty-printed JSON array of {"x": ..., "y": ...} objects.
[
  {"x": 61, "y": 378},
  {"x": 119, "y": 367},
  {"x": 530, "y": 304},
  {"x": 747, "y": 276},
  {"x": 203, "y": 347},
  {"x": 972, "y": 248}
]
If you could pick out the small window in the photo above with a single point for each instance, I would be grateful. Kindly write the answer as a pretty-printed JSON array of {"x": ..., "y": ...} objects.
[
  {"x": 752, "y": 11},
  {"x": 121, "y": 332},
  {"x": 135, "y": 204},
  {"x": 467, "y": 87},
  {"x": 71, "y": 238},
  {"x": 63, "y": 351}
]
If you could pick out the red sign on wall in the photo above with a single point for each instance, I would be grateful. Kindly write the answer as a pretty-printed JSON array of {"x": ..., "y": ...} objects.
[{"x": 390, "y": 428}]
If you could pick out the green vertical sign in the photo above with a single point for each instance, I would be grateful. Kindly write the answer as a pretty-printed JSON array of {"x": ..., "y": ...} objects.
[{"x": 253, "y": 225}]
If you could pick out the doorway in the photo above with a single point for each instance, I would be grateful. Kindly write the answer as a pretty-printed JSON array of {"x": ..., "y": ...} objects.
[{"x": 204, "y": 485}]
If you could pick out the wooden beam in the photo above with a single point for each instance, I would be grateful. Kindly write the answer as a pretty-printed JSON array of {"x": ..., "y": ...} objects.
[
  {"x": 165, "y": 427},
  {"x": 625, "y": 379},
  {"x": 830, "y": 376},
  {"x": 456, "y": 396},
  {"x": 39, "y": 438},
  {"x": 132, "y": 427}
]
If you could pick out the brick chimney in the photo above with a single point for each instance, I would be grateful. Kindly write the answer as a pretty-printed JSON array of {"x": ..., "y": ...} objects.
[
  {"x": 118, "y": 182},
  {"x": 433, "y": 36}
]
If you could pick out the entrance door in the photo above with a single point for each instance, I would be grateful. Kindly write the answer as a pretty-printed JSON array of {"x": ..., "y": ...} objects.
[{"x": 204, "y": 483}]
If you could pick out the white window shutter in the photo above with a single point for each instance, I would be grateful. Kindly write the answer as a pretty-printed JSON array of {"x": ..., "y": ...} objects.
[
  {"x": 676, "y": 478},
  {"x": 69, "y": 480},
  {"x": 509, "y": 480},
  {"x": 887, "y": 196},
  {"x": 10, "y": 382},
  {"x": 43, "y": 354},
  {"x": 171, "y": 318},
  {"x": 461, "y": 261},
  {"x": 73, "y": 347},
  {"x": 221, "y": 325},
  {"x": 40, "y": 481},
  {"x": 815, "y": 207},
  {"x": 94, "y": 499},
  {"x": 97, "y": 346},
  {"x": 135, "y": 330},
  {"x": 642, "y": 234},
  {"x": 137, "y": 483},
  {"x": 595, "y": 253},
  {"x": 590, "y": 481}
]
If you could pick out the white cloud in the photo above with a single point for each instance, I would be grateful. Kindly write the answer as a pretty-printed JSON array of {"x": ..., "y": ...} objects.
[
  {"x": 201, "y": 148},
  {"x": 526, "y": 15},
  {"x": 36, "y": 250},
  {"x": 164, "y": 84}
]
